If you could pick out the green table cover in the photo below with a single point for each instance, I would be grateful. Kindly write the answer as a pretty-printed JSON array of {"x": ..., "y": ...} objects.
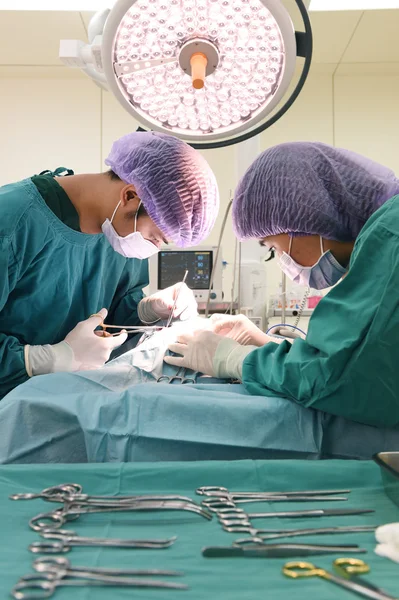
[{"x": 230, "y": 579}]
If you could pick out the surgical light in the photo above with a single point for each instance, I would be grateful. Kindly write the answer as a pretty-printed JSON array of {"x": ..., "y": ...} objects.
[{"x": 204, "y": 70}]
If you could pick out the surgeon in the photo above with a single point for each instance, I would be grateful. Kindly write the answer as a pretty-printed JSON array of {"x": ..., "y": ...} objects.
[
  {"x": 72, "y": 246},
  {"x": 332, "y": 217}
]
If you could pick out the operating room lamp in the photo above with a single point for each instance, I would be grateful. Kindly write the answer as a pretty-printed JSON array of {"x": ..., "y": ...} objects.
[{"x": 207, "y": 71}]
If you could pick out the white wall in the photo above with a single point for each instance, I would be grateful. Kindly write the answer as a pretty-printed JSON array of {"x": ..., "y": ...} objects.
[{"x": 48, "y": 122}]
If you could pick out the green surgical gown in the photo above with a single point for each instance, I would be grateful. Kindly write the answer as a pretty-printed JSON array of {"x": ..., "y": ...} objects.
[
  {"x": 349, "y": 363},
  {"x": 52, "y": 277}
]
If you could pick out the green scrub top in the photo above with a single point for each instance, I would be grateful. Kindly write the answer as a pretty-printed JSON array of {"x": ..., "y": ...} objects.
[
  {"x": 349, "y": 363},
  {"x": 52, "y": 277},
  {"x": 56, "y": 197}
]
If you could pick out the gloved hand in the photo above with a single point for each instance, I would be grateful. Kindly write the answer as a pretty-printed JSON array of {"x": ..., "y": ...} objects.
[
  {"x": 83, "y": 349},
  {"x": 158, "y": 306},
  {"x": 238, "y": 328},
  {"x": 208, "y": 353},
  {"x": 387, "y": 537}
]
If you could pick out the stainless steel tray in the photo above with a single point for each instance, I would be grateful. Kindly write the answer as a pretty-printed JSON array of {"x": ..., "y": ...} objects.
[{"x": 389, "y": 465}]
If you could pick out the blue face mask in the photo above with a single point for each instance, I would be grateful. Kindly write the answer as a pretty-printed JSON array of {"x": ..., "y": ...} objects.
[{"x": 324, "y": 274}]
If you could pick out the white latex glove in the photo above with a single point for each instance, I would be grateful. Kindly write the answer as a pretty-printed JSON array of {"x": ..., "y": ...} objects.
[
  {"x": 238, "y": 328},
  {"x": 83, "y": 349},
  {"x": 158, "y": 306},
  {"x": 209, "y": 353}
]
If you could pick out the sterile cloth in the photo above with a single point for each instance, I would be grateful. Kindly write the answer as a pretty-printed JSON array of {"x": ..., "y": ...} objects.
[
  {"x": 218, "y": 579},
  {"x": 120, "y": 413}
]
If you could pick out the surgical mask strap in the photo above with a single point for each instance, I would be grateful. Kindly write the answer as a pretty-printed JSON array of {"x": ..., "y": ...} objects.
[
  {"x": 321, "y": 246},
  {"x": 113, "y": 214},
  {"x": 136, "y": 217},
  {"x": 289, "y": 247}
]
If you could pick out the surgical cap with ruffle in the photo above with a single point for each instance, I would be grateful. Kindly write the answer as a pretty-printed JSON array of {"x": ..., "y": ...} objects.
[
  {"x": 174, "y": 182},
  {"x": 306, "y": 188}
]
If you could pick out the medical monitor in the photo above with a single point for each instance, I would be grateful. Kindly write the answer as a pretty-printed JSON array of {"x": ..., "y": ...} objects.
[{"x": 169, "y": 265}]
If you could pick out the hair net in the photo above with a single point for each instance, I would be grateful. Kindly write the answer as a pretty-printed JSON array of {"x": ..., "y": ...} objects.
[
  {"x": 174, "y": 182},
  {"x": 306, "y": 188}
]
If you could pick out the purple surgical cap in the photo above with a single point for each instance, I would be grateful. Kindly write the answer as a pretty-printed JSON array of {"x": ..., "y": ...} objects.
[
  {"x": 174, "y": 182},
  {"x": 307, "y": 188}
]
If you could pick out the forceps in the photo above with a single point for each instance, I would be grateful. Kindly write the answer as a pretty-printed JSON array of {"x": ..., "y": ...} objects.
[
  {"x": 50, "y": 492},
  {"x": 345, "y": 567},
  {"x": 180, "y": 376},
  {"x": 72, "y": 492},
  {"x": 53, "y": 564},
  {"x": 263, "y": 535},
  {"x": 59, "y": 574},
  {"x": 65, "y": 540},
  {"x": 223, "y": 493},
  {"x": 231, "y": 517},
  {"x": 217, "y": 504},
  {"x": 58, "y": 517}
]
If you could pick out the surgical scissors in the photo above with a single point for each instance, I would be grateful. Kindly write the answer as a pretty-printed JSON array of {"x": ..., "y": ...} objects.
[
  {"x": 180, "y": 376},
  {"x": 223, "y": 493},
  {"x": 263, "y": 535},
  {"x": 58, "y": 517},
  {"x": 345, "y": 567},
  {"x": 64, "y": 543}
]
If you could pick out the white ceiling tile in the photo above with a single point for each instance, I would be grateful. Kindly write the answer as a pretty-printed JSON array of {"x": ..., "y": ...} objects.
[
  {"x": 40, "y": 72},
  {"x": 86, "y": 16},
  {"x": 33, "y": 37},
  {"x": 376, "y": 38},
  {"x": 373, "y": 69},
  {"x": 332, "y": 32}
]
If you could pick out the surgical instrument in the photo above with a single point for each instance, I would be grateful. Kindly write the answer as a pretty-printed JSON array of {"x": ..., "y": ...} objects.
[
  {"x": 345, "y": 567},
  {"x": 130, "y": 330},
  {"x": 67, "y": 492},
  {"x": 58, "y": 517},
  {"x": 169, "y": 321},
  {"x": 216, "y": 504},
  {"x": 277, "y": 550},
  {"x": 263, "y": 535},
  {"x": 48, "y": 493},
  {"x": 216, "y": 491},
  {"x": 180, "y": 376},
  {"x": 44, "y": 583},
  {"x": 236, "y": 517},
  {"x": 64, "y": 543},
  {"x": 51, "y": 564}
]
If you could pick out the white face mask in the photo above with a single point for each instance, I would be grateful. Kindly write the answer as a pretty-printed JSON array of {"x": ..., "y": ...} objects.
[{"x": 132, "y": 245}]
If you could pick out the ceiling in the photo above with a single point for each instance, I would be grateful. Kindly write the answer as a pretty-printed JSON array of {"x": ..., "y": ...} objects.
[{"x": 348, "y": 42}]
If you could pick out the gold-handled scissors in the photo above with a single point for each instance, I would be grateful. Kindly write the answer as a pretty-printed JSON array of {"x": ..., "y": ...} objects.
[
  {"x": 345, "y": 569},
  {"x": 127, "y": 328}
]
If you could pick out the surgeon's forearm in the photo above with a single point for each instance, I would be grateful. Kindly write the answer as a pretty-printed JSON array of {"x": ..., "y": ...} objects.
[{"x": 12, "y": 364}]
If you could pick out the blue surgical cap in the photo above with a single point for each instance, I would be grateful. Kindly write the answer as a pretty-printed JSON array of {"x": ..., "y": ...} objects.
[{"x": 306, "y": 188}]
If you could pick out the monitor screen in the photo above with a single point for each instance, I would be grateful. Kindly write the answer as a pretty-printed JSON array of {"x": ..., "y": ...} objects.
[{"x": 172, "y": 264}]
